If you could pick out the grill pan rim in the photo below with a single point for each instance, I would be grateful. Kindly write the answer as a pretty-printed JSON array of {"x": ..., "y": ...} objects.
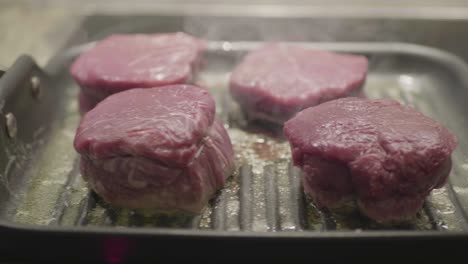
[
  {"x": 161, "y": 231},
  {"x": 444, "y": 57}
]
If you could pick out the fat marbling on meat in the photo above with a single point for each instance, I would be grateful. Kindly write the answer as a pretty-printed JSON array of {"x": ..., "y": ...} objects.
[
  {"x": 278, "y": 80},
  {"x": 386, "y": 155},
  {"x": 156, "y": 148},
  {"x": 125, "y": 61}
]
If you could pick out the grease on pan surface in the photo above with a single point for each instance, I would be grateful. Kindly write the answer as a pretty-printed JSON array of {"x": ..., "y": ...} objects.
[{"x": 264, "y": 193}]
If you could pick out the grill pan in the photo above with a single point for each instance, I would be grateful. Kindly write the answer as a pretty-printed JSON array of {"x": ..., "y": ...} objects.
[{"x": 48, "y": 212}]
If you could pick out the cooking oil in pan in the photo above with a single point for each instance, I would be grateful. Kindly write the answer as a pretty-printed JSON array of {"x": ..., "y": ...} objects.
[
  {"x": 50, "y": 174},
  {"x": 57, "y": 195}
]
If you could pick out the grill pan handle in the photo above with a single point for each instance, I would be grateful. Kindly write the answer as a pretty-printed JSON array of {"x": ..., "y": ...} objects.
[
  {"x": 22, "y": 70},
  {"x": 21, "y": 108}
]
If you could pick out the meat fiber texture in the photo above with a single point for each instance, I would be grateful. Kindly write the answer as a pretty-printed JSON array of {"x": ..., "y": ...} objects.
[
  {"x": 278, "y": 80},
  {"x": 158, "y": 148},
  {"x": 125, "y": 61},
  {"x": 386, "y": 155}
]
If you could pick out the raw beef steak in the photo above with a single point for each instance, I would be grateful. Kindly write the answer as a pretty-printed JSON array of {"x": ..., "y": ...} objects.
[
  {"x": 386, "y": 155},
  {"x": 155, "y": 148},
  {"x": 121, "y": 62},
  {"x": 276, "y": 81}
]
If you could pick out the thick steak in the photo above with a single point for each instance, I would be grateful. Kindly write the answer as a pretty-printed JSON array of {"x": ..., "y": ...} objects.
[
  {"x": 155, "y": 148},
  {"x": 121, "y": 62},
  {"x": 387, "y": 155},
  {"x": 278, "y": 80}
]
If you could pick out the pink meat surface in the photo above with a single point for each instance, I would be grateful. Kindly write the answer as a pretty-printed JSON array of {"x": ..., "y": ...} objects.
[
  {"x": 278, "y": 80},
  {"x": 121, "y": 62},
  {"x": 155, "y": 148},
  {"x": 386, "y": 155}
]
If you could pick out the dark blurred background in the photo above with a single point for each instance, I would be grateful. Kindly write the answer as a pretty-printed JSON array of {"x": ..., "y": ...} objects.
[{"x": 40, "y": 27}]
